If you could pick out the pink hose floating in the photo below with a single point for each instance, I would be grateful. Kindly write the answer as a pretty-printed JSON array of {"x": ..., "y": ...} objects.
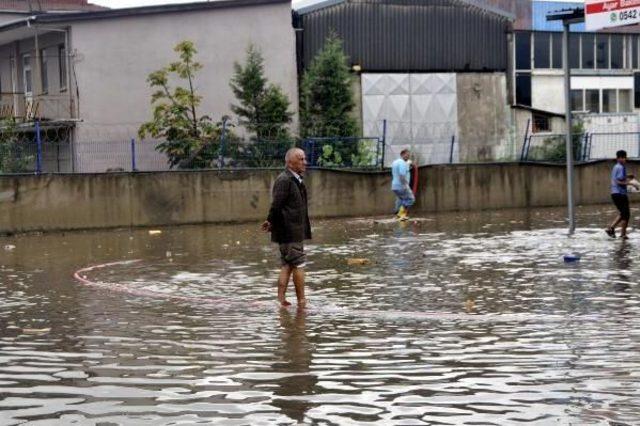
[
  {"x": 79, "y": 275},
  {"x": 439, "y": 316}
]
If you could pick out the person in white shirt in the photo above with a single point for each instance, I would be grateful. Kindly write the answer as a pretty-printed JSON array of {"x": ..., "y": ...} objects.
[{"x": 401, "y": 173}]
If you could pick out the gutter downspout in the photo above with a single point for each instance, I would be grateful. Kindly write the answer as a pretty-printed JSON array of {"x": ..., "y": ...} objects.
[
  {"x": 15, "y": 78},
  {"x": 35, "y": 82},
  {"x": 67, "y": 59}
]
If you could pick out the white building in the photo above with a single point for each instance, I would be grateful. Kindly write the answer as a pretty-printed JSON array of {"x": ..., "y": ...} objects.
[{"x": 86, "y": 72}]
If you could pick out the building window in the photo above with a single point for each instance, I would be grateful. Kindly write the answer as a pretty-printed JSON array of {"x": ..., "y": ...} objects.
[
  {"x": 556, "y": 51},
  {"x": 624, "y": 100},
  {"x": 541, "y": 123},
  {"x": 62, "y": 67},
  {"x": 574, "y": 50},
  {"x": 609, "y": 100},
  {"x": 44, "y": 71},
  {"x": 577, "y": 100},
  {"x": 541, "y": 50},
  {"x": 617, "y": 51},
  {"x": 523, "y": 89},
  {"x": 636, "y": 89},
  {"x": 587, "y": 51},
  {"x": 26, "y": 75},
  {"x": 602, "y": 51},
  {"x": 634, "y": 51},
  {"x": 523, "y": 51},
  {"x": 592, "y": 100}
]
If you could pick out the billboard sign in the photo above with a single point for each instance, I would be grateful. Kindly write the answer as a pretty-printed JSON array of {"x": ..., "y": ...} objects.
[{"x": 610, "y": 13}]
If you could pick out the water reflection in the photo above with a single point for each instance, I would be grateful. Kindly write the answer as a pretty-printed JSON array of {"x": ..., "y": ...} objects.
[
  {"x": 295, "y": 357},
  {"x": 457, "y": 319}
]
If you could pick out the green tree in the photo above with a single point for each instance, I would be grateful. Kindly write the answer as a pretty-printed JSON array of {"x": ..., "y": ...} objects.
[
  {"x": 189, "y": 139},
  {"x": 262, "y": 107},
  {"x": 13, "y": 153},
  {"x": 326, "y": 98}
]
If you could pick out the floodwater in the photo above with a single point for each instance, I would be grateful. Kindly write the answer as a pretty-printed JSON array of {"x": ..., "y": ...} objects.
[{"x": 470, "y": 319}]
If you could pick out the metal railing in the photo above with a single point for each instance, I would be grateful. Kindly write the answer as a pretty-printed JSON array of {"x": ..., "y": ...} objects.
[
  {"x": 586, "y": 146},
  {"x": 43, "y": 107},
  {"x": 64, "y": 148}
]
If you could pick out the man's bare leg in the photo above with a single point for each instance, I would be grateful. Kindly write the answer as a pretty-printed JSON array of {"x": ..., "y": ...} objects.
[
  {"x": 616, "y": 222},
  {"x": 283, "y": 282},
  {"x": 298, "y": 282},
  {"x": 623, "y": 228}
]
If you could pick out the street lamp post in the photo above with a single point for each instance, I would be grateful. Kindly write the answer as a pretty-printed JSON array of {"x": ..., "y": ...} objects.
[{"x": 568, "y": 17}]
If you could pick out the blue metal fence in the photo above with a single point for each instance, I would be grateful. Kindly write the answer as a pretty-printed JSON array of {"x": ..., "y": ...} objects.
[
  {"x": 41, "y": 148},
  {"x": 34, "y": 149},
  {"x": 37, "y": 148},
  {"x": 351, "y": 152}
]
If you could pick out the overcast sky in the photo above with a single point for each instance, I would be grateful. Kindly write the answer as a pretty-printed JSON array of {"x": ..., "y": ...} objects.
[{"x": 115, "y": 4}]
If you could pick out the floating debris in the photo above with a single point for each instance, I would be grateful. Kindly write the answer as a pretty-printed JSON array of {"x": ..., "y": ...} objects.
[
  {"x": 36, "y": 330},
  {"x": 358, "y": 261}
]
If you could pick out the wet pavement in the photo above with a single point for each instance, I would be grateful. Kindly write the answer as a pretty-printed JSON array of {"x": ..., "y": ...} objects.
[{"x": 461, "y": 318}]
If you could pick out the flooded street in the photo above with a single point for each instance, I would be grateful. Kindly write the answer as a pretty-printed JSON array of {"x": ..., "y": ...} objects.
[{"x": 461, "y": 318}]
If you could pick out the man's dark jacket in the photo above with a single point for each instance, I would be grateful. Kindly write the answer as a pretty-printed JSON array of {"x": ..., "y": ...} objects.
[{"x": 289, "y": 215}]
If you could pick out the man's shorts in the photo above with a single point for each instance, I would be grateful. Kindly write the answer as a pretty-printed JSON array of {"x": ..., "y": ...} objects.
[
  {"x": 405, "y": 196},
  {"x": 292, "y": 254},
  {"x": 622, "y": 203}
]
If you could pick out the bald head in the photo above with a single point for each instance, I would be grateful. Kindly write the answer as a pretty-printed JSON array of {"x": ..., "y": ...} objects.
[
  {"x": 291, "y": 153},
  {"x": 296, "y": 161}
]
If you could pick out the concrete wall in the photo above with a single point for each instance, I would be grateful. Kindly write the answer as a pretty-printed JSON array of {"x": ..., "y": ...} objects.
[
  {"x": 547, "y": 91},
  {"x": 67, "y": 202},
  {"x": 483, "y": 117},
  {"x": 113, "y": 58}
]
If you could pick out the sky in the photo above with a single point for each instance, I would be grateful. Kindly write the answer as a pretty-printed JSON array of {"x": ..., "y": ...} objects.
[{"x": 117, "y": 4}]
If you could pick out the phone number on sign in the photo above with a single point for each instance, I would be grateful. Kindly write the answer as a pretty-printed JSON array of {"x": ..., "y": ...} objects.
[{"x": 625, "y": 15}]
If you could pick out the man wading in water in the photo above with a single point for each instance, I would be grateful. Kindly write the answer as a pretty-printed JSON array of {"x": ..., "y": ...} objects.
[{"x": 289, "y": 224}]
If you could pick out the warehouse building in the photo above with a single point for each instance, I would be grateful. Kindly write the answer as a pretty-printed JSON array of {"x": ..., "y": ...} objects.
[{"x": 435, "y": 71}]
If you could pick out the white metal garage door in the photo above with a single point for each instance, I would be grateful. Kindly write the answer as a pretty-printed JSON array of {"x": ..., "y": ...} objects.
[{"x": 420, "y": 110}]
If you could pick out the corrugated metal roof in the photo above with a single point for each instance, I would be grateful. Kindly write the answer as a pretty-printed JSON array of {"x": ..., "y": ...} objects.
[
  {"x": 308, "y": 8},
  {"x": 410, "y": 35}
]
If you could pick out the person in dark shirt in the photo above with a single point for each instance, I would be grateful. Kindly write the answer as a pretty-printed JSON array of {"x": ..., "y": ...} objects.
[
  {"x": 619, "y": 181},
  {"x": 288, "y": 222}
]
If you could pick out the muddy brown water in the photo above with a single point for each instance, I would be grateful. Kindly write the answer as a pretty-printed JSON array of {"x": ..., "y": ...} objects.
[{"x": 458, "y": 319}]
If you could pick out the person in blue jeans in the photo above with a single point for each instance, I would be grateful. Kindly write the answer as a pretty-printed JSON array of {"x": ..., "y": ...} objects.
[
  {"x": 400, "y": 173},
  {"x": 619, "y": 181}
]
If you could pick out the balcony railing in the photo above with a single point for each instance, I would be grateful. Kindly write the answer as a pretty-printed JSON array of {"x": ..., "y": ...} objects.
[{"x": 37, "y": 107}]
